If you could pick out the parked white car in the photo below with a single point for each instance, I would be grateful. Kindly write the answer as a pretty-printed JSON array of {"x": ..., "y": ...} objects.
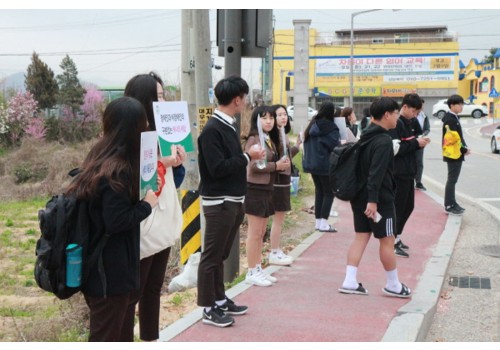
[
  {"x": 311, "y": 112},
  {"x": 495, "y": 141},
  {"x": 475, "y": 111}
]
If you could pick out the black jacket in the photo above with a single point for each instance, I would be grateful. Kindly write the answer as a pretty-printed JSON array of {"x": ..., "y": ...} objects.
[
  {"x": 222, "y": 165},
  {"x": 453, "y": 121},
  {"x": 405, "y": 161},
  {"x": 115, "y": 214},
  {"x": 323, "y": 137},
  {"x": 376, "y": 166}
]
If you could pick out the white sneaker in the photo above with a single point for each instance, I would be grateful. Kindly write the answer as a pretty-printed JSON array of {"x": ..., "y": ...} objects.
[
  {"x": 280, "y": 258},
  {"x": 334, "y": 213},
  {"x": 267, "y": 276},
  {"x": 257, "y": 279}
]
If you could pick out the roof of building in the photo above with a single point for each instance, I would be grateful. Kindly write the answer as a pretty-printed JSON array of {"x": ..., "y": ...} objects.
[{"x": 393, "y": 30}]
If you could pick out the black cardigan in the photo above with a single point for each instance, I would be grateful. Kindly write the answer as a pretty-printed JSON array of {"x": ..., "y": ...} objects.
[
  {"x": 222, "y": 165},
  {"x": 115, "y": 214}
]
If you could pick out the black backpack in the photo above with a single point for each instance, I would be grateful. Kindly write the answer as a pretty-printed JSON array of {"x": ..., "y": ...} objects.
[
  {"x": 63, "y": 221},
  {"x": 344, "y": 170}
]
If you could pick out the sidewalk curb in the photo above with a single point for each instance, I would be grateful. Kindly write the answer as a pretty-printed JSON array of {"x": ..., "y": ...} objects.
[
  {"x": 414, "y": 318},
  {"x": 194, "y": 316}
]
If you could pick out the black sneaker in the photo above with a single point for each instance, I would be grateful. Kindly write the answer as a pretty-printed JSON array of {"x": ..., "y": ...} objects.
[
  {"x": 400, "y": 252},
  {"x": 215, "y": 316},
  {"x": 459, "y": 207},
  {"x": 420, "y": 186},
  {"x": 401, "y": 245},
  {"x": 453, "y": 210},
  {"x": 230, "y": 308}
]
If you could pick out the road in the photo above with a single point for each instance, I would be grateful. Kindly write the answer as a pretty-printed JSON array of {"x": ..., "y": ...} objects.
[{"x": 469, "y": 314}]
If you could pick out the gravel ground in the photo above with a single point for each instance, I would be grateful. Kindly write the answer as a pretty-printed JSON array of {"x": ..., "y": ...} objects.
[{"x": 470, "y": 314}]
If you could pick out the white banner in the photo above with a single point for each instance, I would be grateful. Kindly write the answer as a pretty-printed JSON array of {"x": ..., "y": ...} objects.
[{"x": 392, "y": 68}]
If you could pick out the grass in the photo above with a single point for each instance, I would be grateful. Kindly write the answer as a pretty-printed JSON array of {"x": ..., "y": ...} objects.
[
  {"x": 178, "y": 299},
  {"x": 237, "y": 280},
  {"x": 11, "y": 312}
]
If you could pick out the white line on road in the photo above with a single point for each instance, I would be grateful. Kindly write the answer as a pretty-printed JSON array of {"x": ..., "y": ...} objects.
[{"x": 489, "y": 199}]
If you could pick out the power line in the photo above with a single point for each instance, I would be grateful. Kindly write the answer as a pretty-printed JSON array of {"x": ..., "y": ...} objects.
[{"x": 106, "y": 22}]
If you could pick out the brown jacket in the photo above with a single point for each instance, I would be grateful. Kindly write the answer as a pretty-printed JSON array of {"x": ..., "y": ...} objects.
[{"x": 261, "y": 176}]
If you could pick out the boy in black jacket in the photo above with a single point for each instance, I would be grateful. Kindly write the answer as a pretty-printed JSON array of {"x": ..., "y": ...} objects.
[
  {"x": 373, "y": 207},
  {"x": 451, "y": 119},
  {"x": 223, "y": 185},
  {"x": 405, "y": 165}
]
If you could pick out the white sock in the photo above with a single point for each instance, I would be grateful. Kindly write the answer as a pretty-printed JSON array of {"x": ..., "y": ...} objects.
[
  {"x": 324, "y": 224},
  {"x": 318, "y": 223},
  {"x": 397, "y": 240},
  {"x": 350, "y": 281},
  {"x": 207, "y": 309},
  {"x": 220, "y": 302},
  {"x": 393, "y": 283}
]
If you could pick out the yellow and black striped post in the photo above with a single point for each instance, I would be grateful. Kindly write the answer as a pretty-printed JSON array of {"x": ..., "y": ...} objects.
[{"x": 191, "y": 228}]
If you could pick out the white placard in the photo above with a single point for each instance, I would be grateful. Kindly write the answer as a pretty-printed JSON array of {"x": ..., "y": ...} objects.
[
  {"x": 148, "y": 162},
  {"x": 340, "y": 122},
  {"x": 172, "y": 126}
]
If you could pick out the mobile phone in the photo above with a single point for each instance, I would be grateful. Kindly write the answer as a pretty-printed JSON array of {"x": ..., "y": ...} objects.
[{"x": 378, "y": 217}]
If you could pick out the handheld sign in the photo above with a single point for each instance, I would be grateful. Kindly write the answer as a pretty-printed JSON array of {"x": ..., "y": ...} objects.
[
  {"x": 283, "y": 140},
  {"x": 261, "y": 163},
  {"x": 340, "y": 122},
  {"x": 172, "y": 126},
  {"x": 148, "y": 162}
]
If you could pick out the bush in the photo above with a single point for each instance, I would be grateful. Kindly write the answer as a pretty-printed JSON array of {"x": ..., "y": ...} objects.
[
  {"x": 39, "y": 168},
  {"x": 71, "y": 128},
  {"x": 27, "y": 172}
]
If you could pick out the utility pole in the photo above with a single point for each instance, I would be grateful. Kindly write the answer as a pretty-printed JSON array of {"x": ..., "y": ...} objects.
[
  {"x": 191, "y": 180},
  {"x": 232, "y": 66},
  {"x": 202, "y": 57}
]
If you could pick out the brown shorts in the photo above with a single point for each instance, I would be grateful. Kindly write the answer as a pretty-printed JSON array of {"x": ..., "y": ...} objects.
[
  {"x": 282, "y": 198},
  {"x": 259, "y": 200}
]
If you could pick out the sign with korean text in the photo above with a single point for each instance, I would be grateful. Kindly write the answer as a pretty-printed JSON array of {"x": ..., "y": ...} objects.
[
  {"x": 365, "y": 91},
  {"x": 398, "y": 90},
  {"x": 394, "y": 68},
  {"x": 148, "y": 162},
  {"x": 172, "y": 126},
  {"x": 204, "y": 113}
]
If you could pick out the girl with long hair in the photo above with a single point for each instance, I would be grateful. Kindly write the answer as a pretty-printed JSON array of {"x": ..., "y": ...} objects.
[
  {"x": 164, "y": 227},
  {"x": 320, "y": 138},
  {"x": 281, "y": 195},
  {"x": 109, "y": 181},
  {"x": 259, "y": 204}
]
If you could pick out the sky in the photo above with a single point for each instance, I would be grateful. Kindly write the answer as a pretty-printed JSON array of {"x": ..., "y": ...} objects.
[{"x": 111, "y": 45}]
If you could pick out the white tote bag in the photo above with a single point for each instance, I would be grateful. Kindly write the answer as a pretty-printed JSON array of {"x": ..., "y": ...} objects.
[{"x": 163, "y": 227}]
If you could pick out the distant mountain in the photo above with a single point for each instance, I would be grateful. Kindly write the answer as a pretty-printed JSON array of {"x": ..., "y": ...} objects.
[
  {"x": 16, "y": 82},
  {"x": 13, "y": 81}
]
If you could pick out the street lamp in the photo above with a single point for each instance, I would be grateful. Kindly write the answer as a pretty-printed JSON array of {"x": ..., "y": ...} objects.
[{"x": 351, "y": 76}]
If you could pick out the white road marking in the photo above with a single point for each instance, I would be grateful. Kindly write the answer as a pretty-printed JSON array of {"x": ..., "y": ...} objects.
[{"x": 489, "y": 199}]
